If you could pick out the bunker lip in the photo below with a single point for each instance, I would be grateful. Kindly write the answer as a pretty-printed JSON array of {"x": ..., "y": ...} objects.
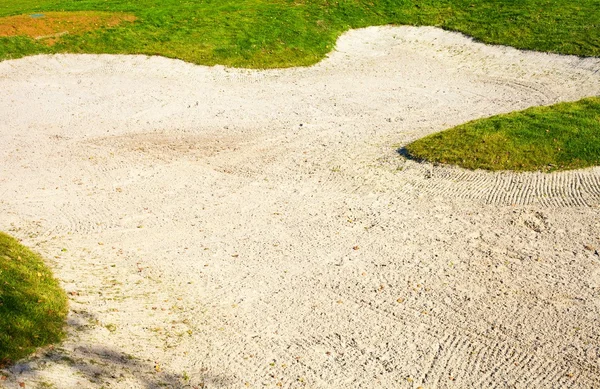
[{"x": 42, "y": 26}]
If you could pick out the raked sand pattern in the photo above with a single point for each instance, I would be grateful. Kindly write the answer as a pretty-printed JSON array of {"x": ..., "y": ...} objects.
[{"x": 224, "y": 228}]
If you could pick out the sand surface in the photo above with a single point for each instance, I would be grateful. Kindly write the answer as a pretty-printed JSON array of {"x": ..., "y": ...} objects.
[{"x": 220, "y": 228}]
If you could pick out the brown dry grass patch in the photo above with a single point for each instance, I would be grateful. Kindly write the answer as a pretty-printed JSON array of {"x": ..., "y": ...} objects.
[{"x": 51, "y": 25}]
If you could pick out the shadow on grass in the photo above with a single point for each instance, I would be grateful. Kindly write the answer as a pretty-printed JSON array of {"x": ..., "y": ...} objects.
[{"x": 403, "y": 152}]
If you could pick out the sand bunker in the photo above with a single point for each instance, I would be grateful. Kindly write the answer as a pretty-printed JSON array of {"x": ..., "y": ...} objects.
[
  {"x": 226, "y": 228},
  {"x": 48, "y": 26}
]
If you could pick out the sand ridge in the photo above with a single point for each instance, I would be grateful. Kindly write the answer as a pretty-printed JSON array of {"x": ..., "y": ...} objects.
[{"x": 233, "y": 228}]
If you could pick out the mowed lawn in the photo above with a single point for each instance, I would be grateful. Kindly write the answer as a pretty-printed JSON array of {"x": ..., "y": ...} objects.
[
  {"x": 282, "y": 33},
  {"x": 559, "y": 137},
  {"x": 33, "y": 307}
]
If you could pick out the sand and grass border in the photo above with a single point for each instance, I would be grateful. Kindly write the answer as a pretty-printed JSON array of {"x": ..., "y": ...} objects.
[
  {"x": 33, "y": 306},
  {"x": 550, "y": 138}
]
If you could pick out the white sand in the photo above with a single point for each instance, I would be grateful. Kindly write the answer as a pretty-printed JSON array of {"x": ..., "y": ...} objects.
[{"x": 226, "y": 228}]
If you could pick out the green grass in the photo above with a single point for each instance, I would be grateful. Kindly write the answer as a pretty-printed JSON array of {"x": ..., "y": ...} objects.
[
  {"x": 33, "y": 307},
  {"x": 282, "y": 33},
  {"x": 558, "y": 137}
]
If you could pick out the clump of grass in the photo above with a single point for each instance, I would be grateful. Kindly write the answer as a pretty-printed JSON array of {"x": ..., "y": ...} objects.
[
  {"x": 33, "y": 307},
  {"x": 558, "y": 137}
]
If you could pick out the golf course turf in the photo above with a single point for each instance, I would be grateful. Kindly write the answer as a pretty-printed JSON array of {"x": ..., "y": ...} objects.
[
  {"x": 33, "y": 307},
  {"x": 559, "y": 137},
  {"x": 280, "y": 33}
]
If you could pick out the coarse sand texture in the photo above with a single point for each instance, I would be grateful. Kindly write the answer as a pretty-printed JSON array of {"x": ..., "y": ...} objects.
[{"x": 225, "y": 228}]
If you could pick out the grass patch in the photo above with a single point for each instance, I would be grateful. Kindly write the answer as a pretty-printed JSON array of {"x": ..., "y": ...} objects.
[
  {"x": 33, "y": 307},
  {"x": 559, "y": 137},
  {"x": 282, "y": 33}
]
